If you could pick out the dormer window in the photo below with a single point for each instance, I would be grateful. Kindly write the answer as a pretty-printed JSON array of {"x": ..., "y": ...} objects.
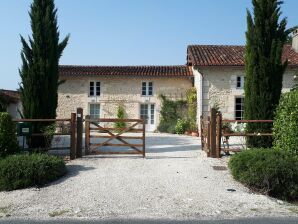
[
  {"x": 94, "y": 89},
  {"x": 147, "y": 88}
]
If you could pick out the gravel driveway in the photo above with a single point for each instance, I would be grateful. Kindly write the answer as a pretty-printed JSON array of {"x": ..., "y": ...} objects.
[{"x": 175, "y": 180}]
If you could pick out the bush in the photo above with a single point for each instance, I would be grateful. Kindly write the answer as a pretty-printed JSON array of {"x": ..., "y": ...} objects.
[
  {"x": 21, "y": 171},
  {"x": 8, "y": 139},
  {"x": 266, "y": 170},
  {"x": 170, "y": 112},
  {"x": 285, "y": 127},
  {"x": 182, "y": 126},
  {"x": 120, "y": 115}
]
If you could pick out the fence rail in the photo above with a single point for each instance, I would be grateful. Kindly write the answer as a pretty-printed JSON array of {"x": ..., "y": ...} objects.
[
  {"x": 97, "y": 129},
  {"x": 63, "y": 127},
  {"x": 212, "y": 132}
]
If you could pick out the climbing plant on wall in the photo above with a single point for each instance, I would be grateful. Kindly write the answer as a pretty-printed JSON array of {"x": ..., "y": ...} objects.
[{"x": 171, "y": 111}]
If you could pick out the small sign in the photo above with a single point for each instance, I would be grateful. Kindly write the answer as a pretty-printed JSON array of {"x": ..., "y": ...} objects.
[
  {"x": 79, "y": 115},
  {"x": 25, "y": 130}
]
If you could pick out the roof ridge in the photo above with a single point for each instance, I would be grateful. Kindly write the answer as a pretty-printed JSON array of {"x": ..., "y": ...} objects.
[
  {"x": 215, "y": 45},
  {"x": 122, "y": 66}
]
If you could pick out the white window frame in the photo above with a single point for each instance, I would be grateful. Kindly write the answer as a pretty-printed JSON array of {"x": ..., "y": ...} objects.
[
  {"x": 92, "y": 116},
  {"x": 96, "y": 88},
  {"x": 147, "y": 88},
  {"x": 241, "y": 110},
  {"x": 240, "y": 82}
]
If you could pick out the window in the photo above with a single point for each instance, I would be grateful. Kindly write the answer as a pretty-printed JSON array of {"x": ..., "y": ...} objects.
[
  {"x": 239, "y": 108},
  {"x": 144, "y": 112},
  {"x": 94, "y": 89},
  {"x": 147, "y": 88},
  {"x": 94, "y": 110},
  {"x": 240, "y": 82}
]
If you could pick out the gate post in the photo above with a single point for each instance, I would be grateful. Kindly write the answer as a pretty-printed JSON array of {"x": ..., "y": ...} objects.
[
  {"x": 144, "y": 138},
  {"x": 79, "y": 132},
  {"x": 208, "y": 136},
  {"x": 87, "y": 134},
  {"x": 218, "y": 134},
  {"x": 213, "y": 133},
  {"x": 72, "y": 152}
]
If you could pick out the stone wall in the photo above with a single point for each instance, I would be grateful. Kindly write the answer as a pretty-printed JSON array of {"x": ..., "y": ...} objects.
[
  {"x": 118, "y": 90},
  {"x": 219, "y": 88}
]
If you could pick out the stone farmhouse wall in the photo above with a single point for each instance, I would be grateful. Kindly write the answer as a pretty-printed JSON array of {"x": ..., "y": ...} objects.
[
  {"x": 118, "y": 90},
  {"x": 219, "y": 87}
]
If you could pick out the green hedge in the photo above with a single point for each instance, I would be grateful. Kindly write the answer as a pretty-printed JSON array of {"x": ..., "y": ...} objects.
[
  {"x": 269, "y": 171},
  {"x": 21, "y": 171},
  {"x": 285, "y": 126},
  {"x": 8, "y": 139}
]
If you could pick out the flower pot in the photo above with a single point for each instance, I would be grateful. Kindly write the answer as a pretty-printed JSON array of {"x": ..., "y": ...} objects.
[{"x": 195, "y": 134}]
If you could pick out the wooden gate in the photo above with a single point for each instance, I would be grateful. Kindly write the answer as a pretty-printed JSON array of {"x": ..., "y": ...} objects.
[{"x": 101, "y": 130}]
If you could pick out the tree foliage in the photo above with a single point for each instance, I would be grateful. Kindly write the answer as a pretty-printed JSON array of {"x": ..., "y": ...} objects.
[
  {"x": 3, "y": 103},
  {"x": 39, "y": 71},
  {"x": 119, "y": 125},
  {"x": 265, "y": 37}
]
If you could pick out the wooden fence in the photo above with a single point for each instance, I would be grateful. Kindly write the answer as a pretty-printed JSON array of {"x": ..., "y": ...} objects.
[
  {"x": 213, "y": 134},
  {"x": 96, "y": 129},
  {"x": 61, "y": 130}
]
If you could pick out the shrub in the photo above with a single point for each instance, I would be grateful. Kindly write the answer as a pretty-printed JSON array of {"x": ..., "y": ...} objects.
[
  {"x": 266, "y": 170},
  {"x": 285, "y": 127},
  {"x": 170, "y": 112},
  {"x": 21, "y": 171},
  {"x": 182, "y": 126},
  {"x": 120, "y": 115},
  {"x": 8, "y": 139}
]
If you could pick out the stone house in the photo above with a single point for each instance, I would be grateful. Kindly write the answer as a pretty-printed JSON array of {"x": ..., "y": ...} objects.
[
  {"x": 219, "y": 76},
  {"x": 99, "y": 90},
  {"x": 217, "y": 72}
]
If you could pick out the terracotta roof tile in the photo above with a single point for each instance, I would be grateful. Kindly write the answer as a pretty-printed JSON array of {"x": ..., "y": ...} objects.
[
  {"x": 74, "y": 70},
  {"x": 12, "y": 95},
  {"x": 228, "y": 55}
]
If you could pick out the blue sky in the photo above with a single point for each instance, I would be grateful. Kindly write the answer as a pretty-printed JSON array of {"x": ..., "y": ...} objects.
[{"x": 129, "y": 32}]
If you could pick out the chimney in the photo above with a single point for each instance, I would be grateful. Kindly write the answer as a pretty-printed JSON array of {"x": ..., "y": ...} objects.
[{"x": 295, "y": 40}]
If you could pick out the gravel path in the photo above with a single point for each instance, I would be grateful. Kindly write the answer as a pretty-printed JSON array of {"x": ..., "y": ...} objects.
[{"x": 175, "y": 180}]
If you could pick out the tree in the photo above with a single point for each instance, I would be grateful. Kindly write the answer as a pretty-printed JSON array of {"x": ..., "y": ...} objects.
[
  {"x": 265, "y": 38},
  {"x": 39, "y": 71},
  {"x": 119, "y": 125},
  {"x": 3, "y": 103}
]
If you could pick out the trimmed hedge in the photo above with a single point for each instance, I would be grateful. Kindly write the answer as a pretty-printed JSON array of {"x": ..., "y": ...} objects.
[
  {"x": 268, "y": 171},
  {"x": 285, "y": 127},
  {"x": 8, "y": 139},
  {"x": 21, "y": 171}
]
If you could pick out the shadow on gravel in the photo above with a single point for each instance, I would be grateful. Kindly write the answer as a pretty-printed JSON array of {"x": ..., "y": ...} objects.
[
  {"x": 72, "y": 170},
  {"x": 166, "y": 221}
]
